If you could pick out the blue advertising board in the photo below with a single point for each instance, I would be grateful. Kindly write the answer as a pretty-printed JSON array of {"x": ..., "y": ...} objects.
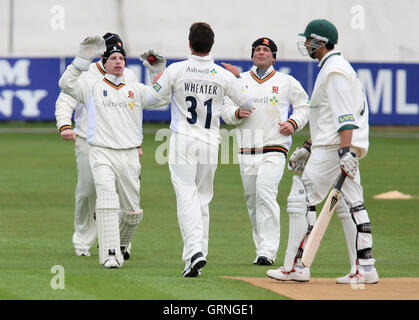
[{"x": 29, "y": 88}]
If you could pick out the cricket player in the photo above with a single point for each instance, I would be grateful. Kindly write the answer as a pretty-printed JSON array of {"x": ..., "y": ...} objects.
[
  {"x": 84, "y": 224},
  {"x": 264, "y": 138},
  {"x": 114, "y": 132},
  {"x": 197, "y": 87},
  {"x": 339, "y": 138}
]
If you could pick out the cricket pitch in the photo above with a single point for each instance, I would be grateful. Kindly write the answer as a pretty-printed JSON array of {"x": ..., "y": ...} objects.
[{"x": 327, "y": 289}]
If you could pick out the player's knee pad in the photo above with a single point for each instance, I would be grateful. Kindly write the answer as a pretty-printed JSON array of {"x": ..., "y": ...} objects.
[
  {"x": 363, "y": 237},
  {"x": 297, "y": 198},
  {"x": 107, "y": 200},
  {"x": 128, "y": 223}
]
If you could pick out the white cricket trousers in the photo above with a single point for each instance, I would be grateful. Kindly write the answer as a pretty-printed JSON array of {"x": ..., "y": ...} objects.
[
  {"x": 321, "y": 172},
  {"x": 192, "y": 165},
  {"x": 117, "y": 172},
  {"x": 85, "y": 198},
  {"x": 261, "y": 175}
]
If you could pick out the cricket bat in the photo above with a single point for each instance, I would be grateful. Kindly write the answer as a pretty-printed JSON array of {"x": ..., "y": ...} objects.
[{"x": 316, "y": 235}]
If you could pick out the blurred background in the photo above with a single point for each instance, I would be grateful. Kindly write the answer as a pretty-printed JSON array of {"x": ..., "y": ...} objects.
[{"x": 40, "y": 38}]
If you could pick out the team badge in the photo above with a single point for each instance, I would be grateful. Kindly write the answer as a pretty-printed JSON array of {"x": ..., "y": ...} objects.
[
  {"x": 266, "y": 42},
  {"x": 157, "y": 87},
  {"x": 105, "y": 93},
  {"x": 131, "y": 94},
  {"x": 275, "y": 89}
]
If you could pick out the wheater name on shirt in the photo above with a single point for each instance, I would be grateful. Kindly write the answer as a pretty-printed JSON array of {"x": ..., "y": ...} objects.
[{"x": 200, "y": 88}]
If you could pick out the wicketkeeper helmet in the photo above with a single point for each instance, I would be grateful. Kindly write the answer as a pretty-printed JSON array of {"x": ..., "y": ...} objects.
[{"x": 321, "y": 29}]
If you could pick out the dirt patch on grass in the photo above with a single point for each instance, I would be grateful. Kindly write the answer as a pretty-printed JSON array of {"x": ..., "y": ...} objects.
[{"x": 327, "y": 289}]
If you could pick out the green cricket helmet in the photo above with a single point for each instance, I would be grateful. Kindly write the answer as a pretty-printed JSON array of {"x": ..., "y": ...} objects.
[{"x": 321, "y": 29}]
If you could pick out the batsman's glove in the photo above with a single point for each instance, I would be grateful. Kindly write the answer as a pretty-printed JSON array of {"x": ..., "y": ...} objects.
[
  {"x": 348, "y": 162},
  {"x": 90, "y": 48},
  {"x": 299, "y": 157},
  {"x": 156, "y": 67}
]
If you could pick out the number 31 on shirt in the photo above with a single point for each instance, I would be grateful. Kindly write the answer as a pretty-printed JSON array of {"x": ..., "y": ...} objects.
[{"x": 192, "y": 110}]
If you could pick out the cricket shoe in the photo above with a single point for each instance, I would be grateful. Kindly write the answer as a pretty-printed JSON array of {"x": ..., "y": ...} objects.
[
  {"x": 194, "y": 265},
  {"x": 82, "y": 252},
  {"x": 299, "y": 274},
  {"x": 111, "y": 263},
  {"x": 263, "y": 261},
  {"x": 369, "y": 277},
  {"x": 126, "y": 252}
]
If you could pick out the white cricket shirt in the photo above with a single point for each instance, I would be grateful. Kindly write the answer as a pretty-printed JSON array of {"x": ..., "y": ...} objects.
[
  {"x": 65, "y": 104},
  {"x": 272, "y": 96},
  {"x": 114, "y": 108},
  {"x": 197, "y": 87},
  {"x": 337, "y": 103}
]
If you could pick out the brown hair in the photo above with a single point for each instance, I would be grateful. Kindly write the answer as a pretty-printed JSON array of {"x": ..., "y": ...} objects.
[{"x": 201, "y": 37}]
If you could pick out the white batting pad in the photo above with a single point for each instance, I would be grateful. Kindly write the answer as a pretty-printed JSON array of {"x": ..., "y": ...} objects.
[
  {"x": 298, "y": 225},
  {"x": 107, "y": 219},
  {"x": 128, "y": 223}
]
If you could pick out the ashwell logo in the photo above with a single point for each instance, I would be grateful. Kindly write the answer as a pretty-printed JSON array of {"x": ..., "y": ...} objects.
[
  {"x": 202, "y": 71},
  {"x": 112, "y": 104}
]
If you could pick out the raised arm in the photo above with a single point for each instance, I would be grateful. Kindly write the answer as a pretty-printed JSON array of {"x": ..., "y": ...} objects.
[{"x": 70, "y": 81}]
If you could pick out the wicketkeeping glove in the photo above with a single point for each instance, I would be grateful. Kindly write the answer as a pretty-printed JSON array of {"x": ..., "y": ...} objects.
[
  {"x": 156, "y": 67},
  {"x": 348, "y": 162},
  {"x": 90, "y": 48},
  {"x": 299, "y": 158}
]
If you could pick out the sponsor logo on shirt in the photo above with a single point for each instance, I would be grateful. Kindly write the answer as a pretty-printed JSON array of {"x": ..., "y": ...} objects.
[
  {"x": 131, "y": 104},
  {"x": 273, "y": 101},
  {"x": 157, "y": 87},
  {"x": 105, "y": 93},
  {"x": 346, "y": 118},
  {"x": 112, "y": 104},
  {"x": 212, "y": 72},
  {"x": 266, "y": 100}
]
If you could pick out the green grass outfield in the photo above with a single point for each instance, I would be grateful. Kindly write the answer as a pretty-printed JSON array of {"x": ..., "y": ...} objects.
[{"x": 37, "y": 182}]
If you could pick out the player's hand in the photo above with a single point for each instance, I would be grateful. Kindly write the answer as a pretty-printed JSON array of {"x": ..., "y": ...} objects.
[
  {"x": 348, "y": 162},
  {"x": 155, "y": 67},
  {"x": 92, "y": 47},
  {"x": 243, "y": 114},
  {"x": 298, "y": 159},
  {"x": 68, "y": 134},
  {"x": 286, "y": 129},
  {"x": 233, "y": 69},
  {"x": 140, "y": 151}
]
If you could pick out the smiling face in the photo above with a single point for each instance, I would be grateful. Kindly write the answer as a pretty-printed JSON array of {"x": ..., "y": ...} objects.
[
  {"x": 263, "y": 57},
  {"x": 115, "y": 64}
]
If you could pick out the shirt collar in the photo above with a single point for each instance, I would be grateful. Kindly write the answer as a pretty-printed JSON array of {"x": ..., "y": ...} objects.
[
  {"x": 114, "y": 79},
  {"x": 268, "y": 72},
  {"x": 204, "y": 58},
  {"x": 327, "y": 55}
]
